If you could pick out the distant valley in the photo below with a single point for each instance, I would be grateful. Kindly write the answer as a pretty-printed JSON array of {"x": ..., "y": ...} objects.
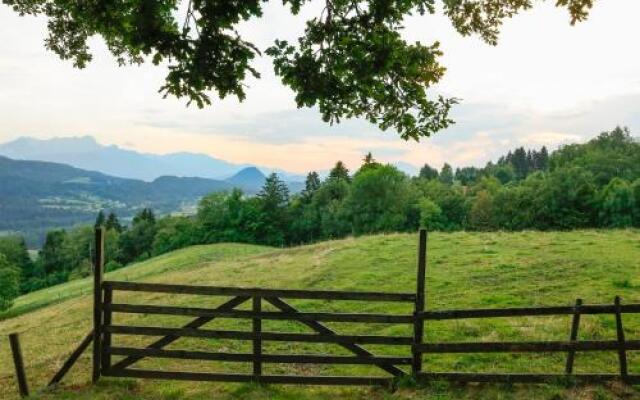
[{"x": 36, "y": 196}]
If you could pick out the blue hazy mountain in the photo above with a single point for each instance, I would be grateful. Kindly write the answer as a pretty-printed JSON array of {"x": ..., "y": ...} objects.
[
  {"x": 86, "y": 153},
  {"x": 247, "y": 179},
  {"x": 37, "y": 195}
]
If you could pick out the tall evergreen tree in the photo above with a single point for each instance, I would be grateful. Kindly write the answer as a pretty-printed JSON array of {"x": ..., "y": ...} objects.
[
  {"x": 340, "y": 171},
  {"x": 113, "y": 223},
  {"x": 543, "y": 163},
  {"x": 427, "y": 172},
  {"x": 273, "y": 200},
  {"x": 446, "y": 174},
  {"x": 100, "y": 219},
  {"x": 311, "y": 185},
  {"x": 520, "y": 164}
]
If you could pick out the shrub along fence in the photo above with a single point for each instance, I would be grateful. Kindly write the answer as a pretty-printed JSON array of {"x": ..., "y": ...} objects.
[{"x": 393, "y": 367}]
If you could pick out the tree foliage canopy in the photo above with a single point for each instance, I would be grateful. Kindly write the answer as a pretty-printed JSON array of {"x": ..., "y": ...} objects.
[{"x": 351, "y": 61}]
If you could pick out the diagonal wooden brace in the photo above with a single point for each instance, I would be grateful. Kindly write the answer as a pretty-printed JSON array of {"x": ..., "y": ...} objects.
[
  {"x": 72, "y": 359},
  {"x": 196, "y": 323},
  {"x": 320, "y": 328}
]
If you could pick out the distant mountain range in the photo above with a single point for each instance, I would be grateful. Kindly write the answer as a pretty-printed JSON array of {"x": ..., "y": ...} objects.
[
  {"x": 36, "y": 196},
  {"x": 86, "y": 153}
]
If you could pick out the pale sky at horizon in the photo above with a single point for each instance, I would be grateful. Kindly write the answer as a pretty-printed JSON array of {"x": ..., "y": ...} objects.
[{"x": 547, "y": 82}]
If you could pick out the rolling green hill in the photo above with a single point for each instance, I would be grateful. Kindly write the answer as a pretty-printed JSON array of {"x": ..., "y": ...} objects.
[{"x": 465, "y": 270}]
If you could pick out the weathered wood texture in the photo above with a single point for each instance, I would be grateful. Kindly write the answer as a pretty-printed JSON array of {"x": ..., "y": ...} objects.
[
  {"x": 259, "y": 292},
  {"x": 418, "y": 325},
  {"x": 18, "y": 363},
  {"x": 527, "y": 311},
  {"x": 300, "y": 316},
  {"x": 265, "y": 336},
  {"x": 573, "y": 337},
  {"x": 98, "y": 266}
]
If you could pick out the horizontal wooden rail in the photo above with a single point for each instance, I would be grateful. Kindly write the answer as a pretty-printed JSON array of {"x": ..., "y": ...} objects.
[
  {"x": 522, "y": 378},
  {"x": 259, "y": 292},
  {"x": 278, "y": 315},
  {"x": 281, "y": 379},
  {"x": 265, "y": 358},
  {"x": 526, "y": 311},
  {"x": 267, "y": 336},
  {"x": 195, "y": 324},
  {"x": 525, "y": 347}
]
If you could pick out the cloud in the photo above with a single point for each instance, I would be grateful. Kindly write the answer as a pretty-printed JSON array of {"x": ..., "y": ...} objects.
[{"x": 548, "y": 139}]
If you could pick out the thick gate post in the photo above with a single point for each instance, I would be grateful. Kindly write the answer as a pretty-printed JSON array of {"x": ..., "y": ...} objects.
[
  {"x": 98, "y": 266},
  {"x": 418, "y": 323}
]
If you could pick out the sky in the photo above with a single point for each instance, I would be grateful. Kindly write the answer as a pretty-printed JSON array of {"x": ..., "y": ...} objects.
[{"x": 546, "y": 83}]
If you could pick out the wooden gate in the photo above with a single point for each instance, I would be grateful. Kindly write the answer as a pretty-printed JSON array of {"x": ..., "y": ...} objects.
[{"x": 285, "y": 311}]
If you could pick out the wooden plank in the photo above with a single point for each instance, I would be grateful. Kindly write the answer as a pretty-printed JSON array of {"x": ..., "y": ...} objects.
[
  {"x": 257, "y": 341},
  {"x": 526, "y": 311},
  {"x": 71, "y": 360},
  {"x": 322, "y": 329},
  {"x": 267, "y": 336},
  {"x": 300, "y": 316},
  {"x": 575, "y": 325},
  {"x": 418, "y": 324},
  {"x": 526, "y": 347},
  {"x": 18, "y": 363},
  {"x": 196, "y": 323},
  {"x": 106, "y": 336},
  {"x": 264, "y": 358},
  {"x": 259, "y": 292},
  {"x": 622, "y": 355},
  {"x": 274, "y": 379},
  {"x": 521, "y": 378},
  {"x": 97, "y": 302}
]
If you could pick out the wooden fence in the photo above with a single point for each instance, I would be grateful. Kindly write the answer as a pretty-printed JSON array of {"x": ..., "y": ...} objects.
[
  {"x": 571, "y": 346},
  {"x": 394, "y": 367}
]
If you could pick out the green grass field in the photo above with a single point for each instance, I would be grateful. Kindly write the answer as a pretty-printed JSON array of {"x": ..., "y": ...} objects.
[{"x": 465, "y": 270}]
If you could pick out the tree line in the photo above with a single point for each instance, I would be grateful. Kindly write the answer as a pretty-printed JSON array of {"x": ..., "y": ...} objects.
[{"x": 596, "y": 184}]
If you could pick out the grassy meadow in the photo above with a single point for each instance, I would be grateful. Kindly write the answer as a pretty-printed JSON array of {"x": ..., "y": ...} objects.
[{"x": 465, "y": 270}]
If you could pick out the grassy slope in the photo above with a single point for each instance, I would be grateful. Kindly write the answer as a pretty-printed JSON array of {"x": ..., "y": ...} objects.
[{"x": 465, "y": 270}]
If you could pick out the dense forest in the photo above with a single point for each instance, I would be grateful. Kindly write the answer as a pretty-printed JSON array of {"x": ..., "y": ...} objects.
[{"x": 596, "y": 184}]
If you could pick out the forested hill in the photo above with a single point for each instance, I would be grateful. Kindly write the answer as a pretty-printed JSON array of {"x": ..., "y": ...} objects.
[{"x": 38, "y": 195}]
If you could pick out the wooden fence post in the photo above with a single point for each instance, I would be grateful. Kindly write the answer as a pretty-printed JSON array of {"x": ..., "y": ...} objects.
[
  {"x": 418, "y": 323},
  {"x": 14, "y": 340},
  {"x": 97, "y": 302},
  {"x": 622, "y": 354},
  {"x": 575, "y": 324},
  {"x": 257, "y": 341}
]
